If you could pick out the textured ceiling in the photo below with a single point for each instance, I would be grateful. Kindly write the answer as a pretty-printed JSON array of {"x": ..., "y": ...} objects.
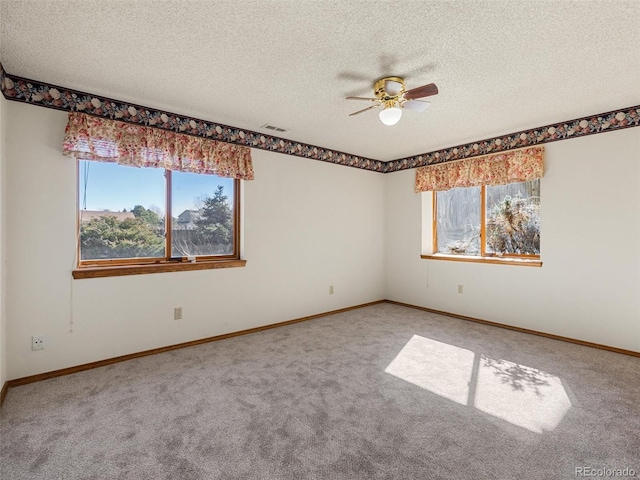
[{"x": 501, "y": 66}]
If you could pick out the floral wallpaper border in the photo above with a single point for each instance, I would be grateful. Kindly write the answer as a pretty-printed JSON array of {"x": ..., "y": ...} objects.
[
  {"x": 60, "y": 98},
  {"x": 580, "y": 127},
  {"x": 52, "y": 96}
]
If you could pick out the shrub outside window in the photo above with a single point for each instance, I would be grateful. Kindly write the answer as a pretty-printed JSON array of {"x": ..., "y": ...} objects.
[{"x": 488, "y": 221}]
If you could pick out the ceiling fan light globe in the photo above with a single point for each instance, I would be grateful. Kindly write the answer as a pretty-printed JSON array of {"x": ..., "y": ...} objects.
[{"x": 390, "y": 116}]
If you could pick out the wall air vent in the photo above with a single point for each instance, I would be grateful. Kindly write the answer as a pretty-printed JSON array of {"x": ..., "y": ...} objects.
[{"x": 273, "y": 127}]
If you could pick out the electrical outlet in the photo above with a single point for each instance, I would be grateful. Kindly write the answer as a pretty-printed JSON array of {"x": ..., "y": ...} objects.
[
  {"x": 177, "y": 313},
  {"x": 37, "y": 342},
  {"x": 460, "y": 288},
  {"x": 331, "y": 291}
]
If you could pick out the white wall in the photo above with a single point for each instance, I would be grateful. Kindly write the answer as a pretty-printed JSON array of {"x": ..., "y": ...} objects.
[
  {"x": 307, "y": 225},
  {"x": 3, "y": 256},
  {"x": 589, "y": 285}
]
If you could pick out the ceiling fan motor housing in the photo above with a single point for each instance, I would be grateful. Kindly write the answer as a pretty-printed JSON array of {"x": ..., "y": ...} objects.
[
  {"x": 380, "y": 88},
  {"x": 391, "y": 94}
]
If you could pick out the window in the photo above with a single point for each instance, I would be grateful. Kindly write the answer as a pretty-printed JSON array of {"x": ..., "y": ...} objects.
[
  {"x": 488, "y": 221},
  {"x": 136, "y": 217}
]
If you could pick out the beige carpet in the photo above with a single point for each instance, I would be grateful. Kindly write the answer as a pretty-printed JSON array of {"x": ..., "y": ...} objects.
[{"x": 382, "y": 392}]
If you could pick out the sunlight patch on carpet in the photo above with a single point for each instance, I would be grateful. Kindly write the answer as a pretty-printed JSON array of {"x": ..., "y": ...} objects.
[
  {"x": 521, "y": 395},
  {"x": 435, "y": 366}
]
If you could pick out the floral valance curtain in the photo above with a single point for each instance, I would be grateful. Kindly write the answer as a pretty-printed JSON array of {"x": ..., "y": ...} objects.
[
  {"x": 495, "y": 169},
  {"x": 103, "y": 140}
]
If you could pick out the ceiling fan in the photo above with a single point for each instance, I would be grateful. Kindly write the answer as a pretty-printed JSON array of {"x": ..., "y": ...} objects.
[{"x": 390, "y": 93}]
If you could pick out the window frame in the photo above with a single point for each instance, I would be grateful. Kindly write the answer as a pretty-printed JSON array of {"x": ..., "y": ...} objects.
[
  {"x": 484, "y": 257},
  {"x": 134, "y": 266}
]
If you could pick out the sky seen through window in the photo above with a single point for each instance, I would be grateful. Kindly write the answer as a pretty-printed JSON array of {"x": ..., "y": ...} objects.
[{"x": 116, "y": 187}]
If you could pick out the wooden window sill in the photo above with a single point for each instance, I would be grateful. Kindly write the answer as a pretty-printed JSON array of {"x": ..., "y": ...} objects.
[
  {"x": 120, "y": 270},
  {"x": 522, "y": 262}
]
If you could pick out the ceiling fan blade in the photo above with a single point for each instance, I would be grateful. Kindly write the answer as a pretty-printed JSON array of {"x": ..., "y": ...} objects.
[
  {"x": 392, "y": 87},
  {"x": 362, "y": 98},
  {"x": 421, "y": 92},
  {"x": 416, "y": 105},
  {"x": 364, "y": 110}
]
